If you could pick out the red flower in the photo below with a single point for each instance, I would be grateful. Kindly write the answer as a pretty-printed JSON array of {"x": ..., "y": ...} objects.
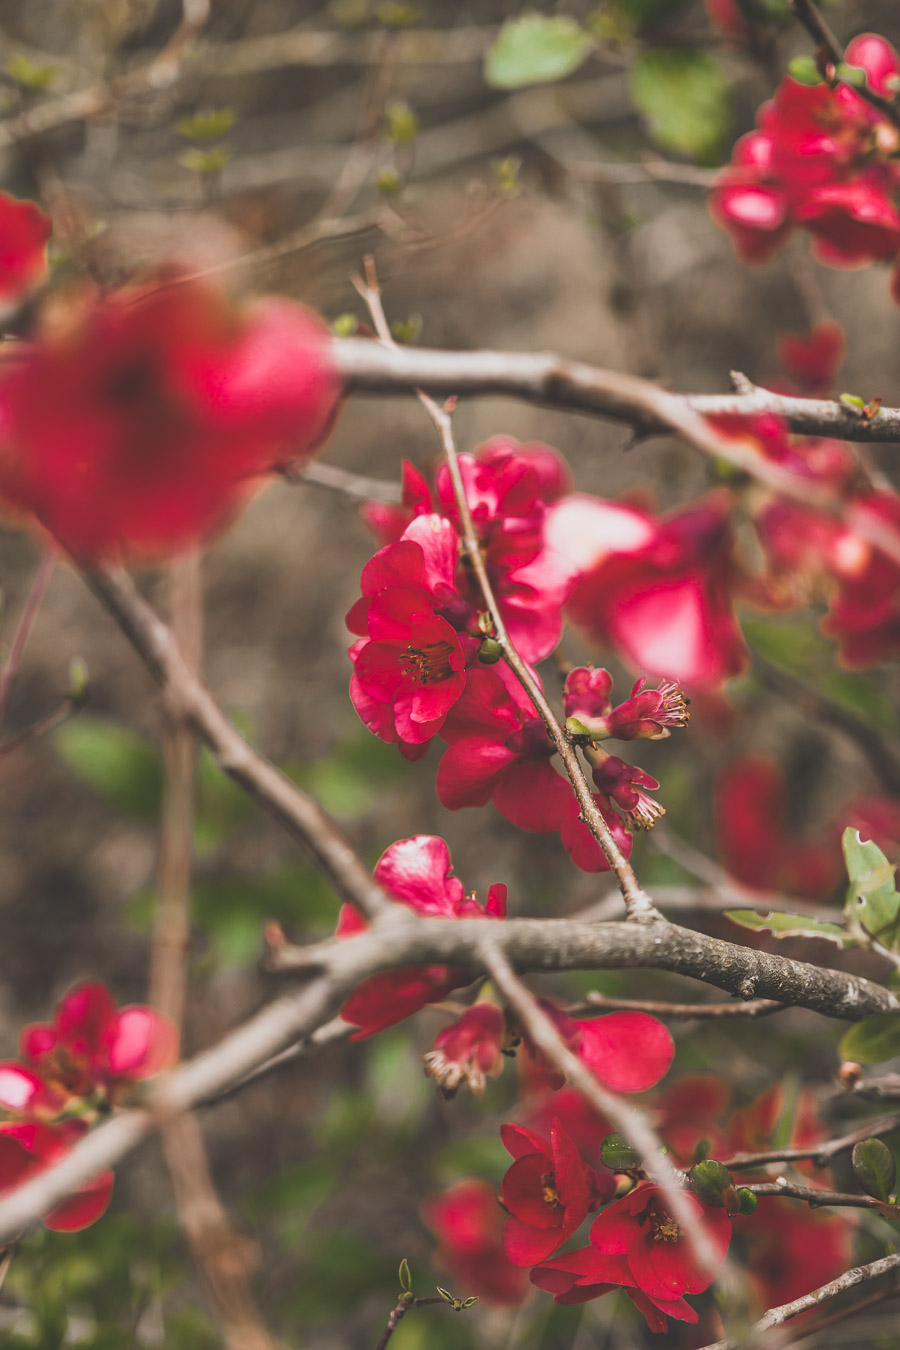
[
  {"x": 583, "y": 1274},
  {"x": 411, "y": 667},
  {"x": 648, "y": 714},
  {"x": 28, "y": 1147},
  {"x": 509, "y": 488},
  {"x": 814, "y": 358},
  {"x": 628, "y": 1051},
  {"x": 794, "y": 1249},
  {"x": 624, "y": 784},
  {"x": 659, "y": 592},
  {"x": 548, "y": 1192},
  {"x": 469, "y": 1050},
  {"x": 386, "y": 521},
  {"x": 139, "y": 430},
  {"x": 690, "y": 1111},
  {"x": 468, "y": 1224},
  {"x": 24, "y": 231},
  {"x": 90, "y": 1047},
  {"x": 756, "y": 846},
  {"x": 417, "y": 872}
]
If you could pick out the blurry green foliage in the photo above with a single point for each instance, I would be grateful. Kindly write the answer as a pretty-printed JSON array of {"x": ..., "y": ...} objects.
[
  {"x": 641, "y": 14},
  {"x": 93, "y": 1288},
  {"x": 535, "y": 49},
  {"x": 795, "y": 648},
  {"x": 872, "y": 904},
  {"x": 352, "y": 779},
  {"x": 872, "y": 1041},
  {"x": 685, "y": 97},
  {"x": 211, "y": 125},
  {"x": 122, "y": 767},
  {"x": 28, "y": 74},
  {"x": 207, "y": 162},
  {"x": 401, "y": 125},
  {"x": 339, "y": 1270}
]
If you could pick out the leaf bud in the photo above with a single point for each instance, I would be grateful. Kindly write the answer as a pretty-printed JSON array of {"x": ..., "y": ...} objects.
[
  {"x": 874, "y": 1167},
  {"x": 747, "y": 1201},
  {"x": 618, "y": 1155},
  {"x": 709, "y": 1180},
  {"x": 490, "y": 651}
]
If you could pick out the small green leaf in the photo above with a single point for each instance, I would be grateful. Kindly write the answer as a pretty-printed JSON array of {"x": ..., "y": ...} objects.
[
  {"x": 804, "y": 70},
  {"x": 747, "y": 1201},
  {"x": 122, "y": 768},
  {"x": 873, "y": 1040},
  {"x": 853, "y": 401},
  {"x": 345, "y": 325},
  {"x": 506, "y": 174},
  {"x": 854, "y": 75},
  {"x": 395, "y": 14},
  {"x": 470, "y": 1301},
  {"x": 30, "y": 74},
  {"x": 875, "y": 1168},
  {"x": 535, "y": 49},
  {"x": 446, "y": 1295},
  {"x": 206, "y": 162},
  {"x": 709, "y": 1180},
  {"x": 404, "y": 1276},
  {"x": 685, "y": 97},
  {"x": 207, "y": 126},
  {"x": 872, "y": 899},
  {"x": 401, "y": 126},
  {"x": 789, "y": 925},
  {"x": 618, "y": 1155}
]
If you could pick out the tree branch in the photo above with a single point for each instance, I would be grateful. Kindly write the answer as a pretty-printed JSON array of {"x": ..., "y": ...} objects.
[
  {"x": 818, "y": 1153},
  {"x": 757, "y": 1007},
  {"x": 815, "y": 1198},
  {"x": 808, "y": 15},
  {"x": 776, "y": 1317},
  {"x": 300, "y": 814}
]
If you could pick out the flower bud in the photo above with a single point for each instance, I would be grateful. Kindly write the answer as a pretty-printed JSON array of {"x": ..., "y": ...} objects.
[
  {"x": 618, "y": 1155},
  {"x": 711, "y": 1182}
]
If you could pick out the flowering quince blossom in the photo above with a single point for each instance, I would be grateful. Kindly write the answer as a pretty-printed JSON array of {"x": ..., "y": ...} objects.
[
  {"x": 470, "y": 1050},
  {"x": 26, "y": 1147},
  {"x": 416, "y": 872},
  {"x": 638, "y": 1246},
  {"x": 626, "y": 1051},
  {"x": 509, "y": 488},
  {"x": 498, "y": 750},
  {"x": 139, "y": 429},
  {"x": 657, "y": 591},
  {"x": 409, "y": 667},
  {"x": 92, "y": 1050},
  {"x": 647, "y": 714},
  {"x": 24, "y": 231},
  {"x": 468, "y": 1224},
  {"x": 812, "y": 359},
  {"x": 548, "y": 1191},
  {"x": 821, "y": 159}
]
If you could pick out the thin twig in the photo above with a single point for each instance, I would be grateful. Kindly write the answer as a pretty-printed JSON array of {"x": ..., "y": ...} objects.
[
  {"x": 49, "y": 722},
  {"x": 756, "y": 1007},
  {"x": 776, "y": 1317},
  {"x": 399, "y": 1312},
  {"x": 20, "y": 637},
  {"x": 840, "y": 1316},
  {"x": 820, "y": 1153},
  {"x": 357, "y": 486},
  {"x": 816, "y": 1199},
  {"x": 638, "y": 904}
]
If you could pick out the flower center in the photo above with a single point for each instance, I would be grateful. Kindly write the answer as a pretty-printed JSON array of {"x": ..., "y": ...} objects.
[
  {"x": 662, "y": 1227},
  {"x": 71, "y": 1072},
  {"x": 428, "y": 664},
  {"x": 549, "y": 1191}
]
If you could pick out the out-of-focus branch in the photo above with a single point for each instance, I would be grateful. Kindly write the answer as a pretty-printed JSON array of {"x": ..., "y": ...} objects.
[
  {"x": 356, "y": 486},
  {"x": 820, "y": 1153},
  {"x": 638, "y": 904},
  {"x": 776, "y": 1317},
  {"x": 808, "y": 15},
  {"x": 300, "y": 814},
  {"x": 756, "y": 1007},
  {"x": 224, "y": 1257},
  {"x": 815, "y": 1198}
]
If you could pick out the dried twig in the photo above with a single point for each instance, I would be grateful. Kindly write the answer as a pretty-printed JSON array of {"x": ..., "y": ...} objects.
[
  {"x": 819, "y": 1153},
  {"x": 756, "y": 1007}
]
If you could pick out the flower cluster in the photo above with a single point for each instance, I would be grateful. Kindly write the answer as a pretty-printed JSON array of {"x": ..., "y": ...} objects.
[
  {"x": 72, "y": 1070},
  {"x": 822, "y": 159},
  {"x": 140, "y": 428}
]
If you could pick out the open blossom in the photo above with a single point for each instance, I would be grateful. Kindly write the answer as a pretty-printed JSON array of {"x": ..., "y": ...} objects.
[
  {"x": 548, "y": 1191},
  {"x": 139, "y": 429},
  {"x": 468, "y": 1224},
  {"x": 410, "y": 667},
  {"x": 657, "y": 591},
  {"x": 24, "y": 231},
  {"x": 647, "y": 714},
  {"x": 92, "y": 1048},
  {"x": 624, "y": 784},
  {"x": 509, "y": 489},
  {"x": 469, "y": 1050},
  {"x": 625, "y": 1051},
  {"x": 637, "y": 1245},
  {"x": 416, "y": 872},
  {"x": 26, "y": 1147},
  {"x": 822, "y": 159}
]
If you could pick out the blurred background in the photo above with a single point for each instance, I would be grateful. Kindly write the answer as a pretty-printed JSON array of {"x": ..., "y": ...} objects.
[{"x": 277, "y": 142}]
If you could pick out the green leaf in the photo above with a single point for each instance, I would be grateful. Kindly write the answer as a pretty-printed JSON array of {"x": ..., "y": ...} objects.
[
  {"x": 30, "y": 74},
  {"x": 208, "y": 162},
  {"x": 747, "y": 1201},
  {"x": 684, "y": 96},
  {"x": 401, "y": 126},
  {"x": 872, "y": 899},
  {"x": 207, "y": 126},
  {"x": 804, "y": 70},
  {"x": 708, "y": 1180},
  {"x": 535, "y": 49},
  {"x": 875, "y": 1168},
  {"x": 789, "y": 925},
  {"x": 618, "y": 1155},
  {"x": 122, "y": 768},
  {"x": 872, "y": 1041}
]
